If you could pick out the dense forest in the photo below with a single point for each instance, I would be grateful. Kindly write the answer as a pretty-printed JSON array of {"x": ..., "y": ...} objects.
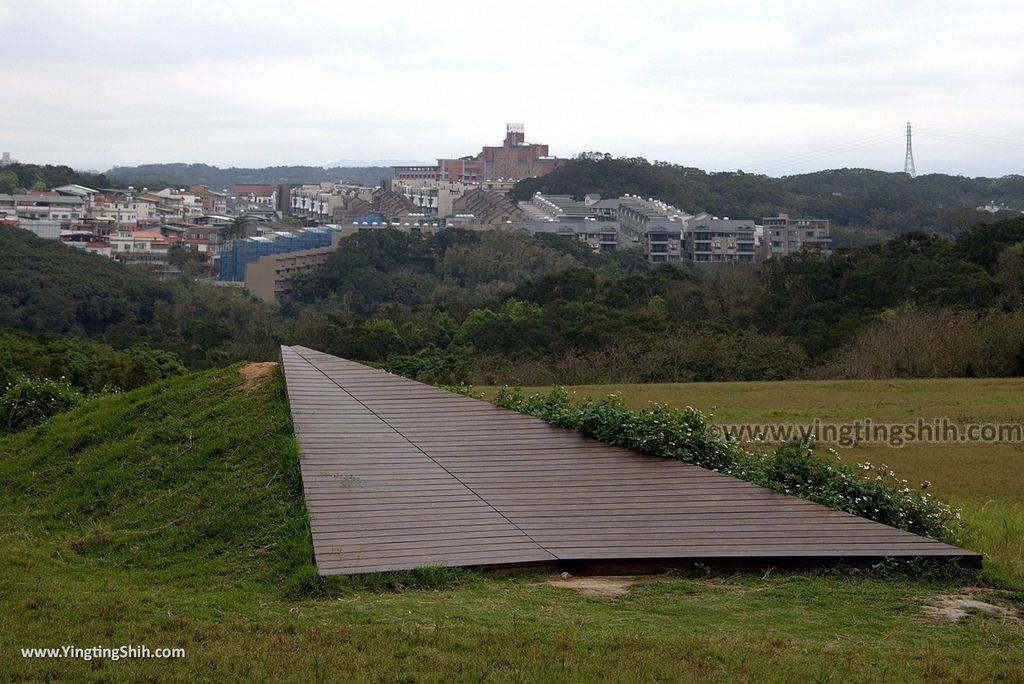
[
  {"x": 183, "y": 175},
  {"x": 863, "y": 198},
  {"x": 508, "y": 307},
  {"x": 20, "y": 178},
  {"x": 48, "y": 287}
]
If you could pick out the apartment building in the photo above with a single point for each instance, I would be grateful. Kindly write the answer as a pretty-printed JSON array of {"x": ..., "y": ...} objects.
[
  {"x": 256, "y": 193},
  {"x": 555, "y": 207},
  {"x": 489, "y": 207},
  {"x": 712, "y": 239},
  {"x": 601, "y": 236},
  {"x": 212, "y": 201},
  {"x": 121, "y": 209},
  {"x": 430, "y": 197},
  {"x": 785, "y": 236},
  {"x": 42, "y": 213},
  {"x": 140, "y": 246},
  {"x": 654, "y": 227},
  {"x": 272, "y": 277},
  {"x": 320, "y": 201}
]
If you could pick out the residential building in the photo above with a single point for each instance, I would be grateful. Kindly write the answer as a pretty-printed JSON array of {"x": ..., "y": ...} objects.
[
  {"x": 120, "y": 208},
  {"x": 5, "y": 159},
  {"x": 713, "y": 239},
  {"x": 555, "y": 207},
  {"x": 235, "y": 260},
  {"x": 272, "y": 277},
  {"x": 431, "y": 197},
  {"x": 654, "y": 227},
  {"x": 319, "y": 201},
  {"x": 415, "y": 173},
  {"x": 489, "y": 207},
  {"x": 140, "y": 246},
  {"x": 42, "y": 213},
  {"x": 87, "y": 242},
  {"x": 212, "y": 202},
  {"x": 784, "y": 236},
  {"x": 601, "y": 236},
  {"x": 257, "y": 193}
]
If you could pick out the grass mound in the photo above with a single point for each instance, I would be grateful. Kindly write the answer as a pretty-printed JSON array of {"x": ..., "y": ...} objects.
[{"x": 193, "y": 479}]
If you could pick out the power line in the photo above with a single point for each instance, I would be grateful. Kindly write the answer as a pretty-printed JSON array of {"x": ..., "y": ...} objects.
[
  {"x": 838, "y": 148},
  {"x": 976, "y": 136},
  {"x": 941, "y": 137},
  {"x": 833, "y": 152}
]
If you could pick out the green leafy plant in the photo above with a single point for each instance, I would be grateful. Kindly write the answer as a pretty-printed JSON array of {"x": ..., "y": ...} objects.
[{"x": 28, "y": 401}]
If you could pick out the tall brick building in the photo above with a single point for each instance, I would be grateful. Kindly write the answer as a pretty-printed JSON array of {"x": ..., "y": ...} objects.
[{"x": 515, "y": 159}]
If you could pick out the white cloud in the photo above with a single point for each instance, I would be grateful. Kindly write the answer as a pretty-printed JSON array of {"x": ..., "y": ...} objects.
[{"x": 710, "y": 84}]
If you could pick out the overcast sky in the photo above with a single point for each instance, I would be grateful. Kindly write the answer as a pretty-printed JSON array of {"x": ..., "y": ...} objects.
[{"x": 719, "y": 85}]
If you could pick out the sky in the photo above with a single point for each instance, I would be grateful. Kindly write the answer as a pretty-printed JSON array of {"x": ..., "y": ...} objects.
[{"x": 776, "y": 87}]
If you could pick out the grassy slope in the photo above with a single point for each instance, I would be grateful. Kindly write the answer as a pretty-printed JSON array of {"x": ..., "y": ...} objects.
[{"x": 170, "y": 516}]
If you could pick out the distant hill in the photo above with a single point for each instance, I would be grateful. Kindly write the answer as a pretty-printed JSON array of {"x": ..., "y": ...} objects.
[
  {"x": 183, "y": 175},
  {"x": 358, "y": 163},
  {"x": 848, "y": 197}
]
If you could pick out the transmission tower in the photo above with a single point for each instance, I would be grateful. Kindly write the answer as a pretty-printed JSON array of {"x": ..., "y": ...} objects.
[{"x": 908, "y": 164}]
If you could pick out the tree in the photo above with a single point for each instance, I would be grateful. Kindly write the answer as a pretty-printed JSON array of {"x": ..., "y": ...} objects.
[{"x": 9, "y": 183}]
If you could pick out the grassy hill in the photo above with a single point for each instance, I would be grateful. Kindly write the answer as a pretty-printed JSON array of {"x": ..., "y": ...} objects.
[
  {"x": 172, "y": 516},
  {"x": 196, "y": 476}
]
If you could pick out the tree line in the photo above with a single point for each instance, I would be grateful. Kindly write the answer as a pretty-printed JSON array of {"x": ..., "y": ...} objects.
[
  {"x": 508, "y": 307},
  {"x": 863, "y": 198}
]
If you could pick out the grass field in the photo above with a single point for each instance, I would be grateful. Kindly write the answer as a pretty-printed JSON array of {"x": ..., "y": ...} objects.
[
  {"x": 976, "y": 473},
  {"x": 170, "y": 516}
]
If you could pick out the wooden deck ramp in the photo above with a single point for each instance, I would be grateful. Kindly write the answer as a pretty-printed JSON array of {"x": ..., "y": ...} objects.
[{"x": 398, "y": 474}]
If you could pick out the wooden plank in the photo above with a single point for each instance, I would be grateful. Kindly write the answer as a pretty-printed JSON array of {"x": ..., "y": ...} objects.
[{"x": 398, "y": 475}]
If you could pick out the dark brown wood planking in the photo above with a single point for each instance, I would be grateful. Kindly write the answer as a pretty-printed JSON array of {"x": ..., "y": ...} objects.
[{"x": 398, "y": 475}]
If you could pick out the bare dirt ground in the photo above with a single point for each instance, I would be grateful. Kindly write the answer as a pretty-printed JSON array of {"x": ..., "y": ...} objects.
[
  {"x": 955, "y": 607},
  {"x": 255, "y": 374},
  {"x": 602, "y": 585}
]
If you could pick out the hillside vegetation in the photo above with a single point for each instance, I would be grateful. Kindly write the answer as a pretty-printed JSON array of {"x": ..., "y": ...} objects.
[
  {"x": 893, "y": 202},
  {"x": 20, "y": 178},
  {"x": 510, "y": 308},
  {"x": 48, "y": 287},
  {"x": 507, "y": 307},
  {"x": 88, "y": 366}
]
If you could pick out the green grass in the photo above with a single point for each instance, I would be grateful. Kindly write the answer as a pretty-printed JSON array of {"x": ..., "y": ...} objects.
[{"x": 171, "y": 516}]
